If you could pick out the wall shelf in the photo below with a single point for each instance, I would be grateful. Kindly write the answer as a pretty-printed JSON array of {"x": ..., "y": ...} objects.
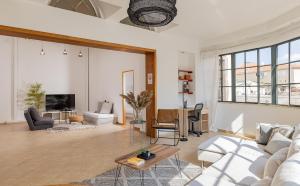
[{"x": 185, "y": 71}]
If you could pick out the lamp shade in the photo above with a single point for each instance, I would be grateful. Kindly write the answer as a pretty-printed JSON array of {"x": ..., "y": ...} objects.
[{"x": 153, "y": 13}]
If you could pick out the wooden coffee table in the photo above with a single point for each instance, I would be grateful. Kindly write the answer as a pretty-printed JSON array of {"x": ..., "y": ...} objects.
[{"x": 161, "y": 152}]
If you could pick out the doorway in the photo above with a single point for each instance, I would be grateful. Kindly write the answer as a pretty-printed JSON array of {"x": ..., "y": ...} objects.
[{"x": 127, "y": 86}]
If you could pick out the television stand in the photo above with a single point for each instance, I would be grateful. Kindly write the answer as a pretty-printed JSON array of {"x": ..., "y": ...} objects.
[{"x": 58, "y": 115}]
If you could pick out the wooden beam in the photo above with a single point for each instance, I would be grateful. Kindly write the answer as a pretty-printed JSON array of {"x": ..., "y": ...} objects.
[{"x": 58, "y": 38}]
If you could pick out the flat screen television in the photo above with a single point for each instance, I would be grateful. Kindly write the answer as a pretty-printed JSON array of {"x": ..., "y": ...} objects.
[{"x": 60, "y": 102}]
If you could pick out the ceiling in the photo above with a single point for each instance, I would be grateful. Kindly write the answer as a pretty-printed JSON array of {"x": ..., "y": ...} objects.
[{"x": 208, "y": 19}]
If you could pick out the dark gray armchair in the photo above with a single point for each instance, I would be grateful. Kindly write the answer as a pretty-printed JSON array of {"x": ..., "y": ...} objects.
[{"x": 35, "y": 121}]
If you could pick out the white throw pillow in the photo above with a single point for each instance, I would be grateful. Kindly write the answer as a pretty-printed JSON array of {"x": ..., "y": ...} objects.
[
  {"x": 263, "y": 182},
  {"x": 274, "y": 162},
  {"x": 263, "y": 133},
  {"x": 295, "y": 146},
  {"x": 106, "y": 108},
  {"x": 288, "y": 174},
  {"x": 277, "y": 142},
  {"x": 297, "y": 131}
]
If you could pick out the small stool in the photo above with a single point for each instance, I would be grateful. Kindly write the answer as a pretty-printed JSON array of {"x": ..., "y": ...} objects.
[{"x": 76, "y": 118}]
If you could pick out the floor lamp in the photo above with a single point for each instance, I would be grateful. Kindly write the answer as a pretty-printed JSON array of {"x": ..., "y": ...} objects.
[{"x": 184, "y": 104}]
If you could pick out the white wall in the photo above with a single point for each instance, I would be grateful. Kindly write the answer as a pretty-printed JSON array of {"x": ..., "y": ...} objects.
[
  {"x": 49, "y": 19},
  {"x": 106, "y": 69},
  {"x": 243, "y": 117},
  {"x": 186, "y": 61},
  {"x": 58, "y": 73},
  {"x": 6, "y": 65}
]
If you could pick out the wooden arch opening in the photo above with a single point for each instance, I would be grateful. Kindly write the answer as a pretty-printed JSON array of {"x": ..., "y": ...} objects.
[{"x": 150, "y": 58}]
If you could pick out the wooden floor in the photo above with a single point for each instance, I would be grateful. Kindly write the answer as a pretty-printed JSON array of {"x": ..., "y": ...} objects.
[{"x": 30, "y": 158}]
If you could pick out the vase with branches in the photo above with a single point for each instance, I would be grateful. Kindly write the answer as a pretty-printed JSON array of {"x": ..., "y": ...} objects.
[
  {"x": 138, "y": 103},
  {"x": 35, "y": 96}
]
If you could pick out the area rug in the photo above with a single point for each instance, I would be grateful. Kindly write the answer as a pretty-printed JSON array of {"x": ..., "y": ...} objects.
[
  {"x": 70, "y": 127},
  {"x": 166, "y": 174}
]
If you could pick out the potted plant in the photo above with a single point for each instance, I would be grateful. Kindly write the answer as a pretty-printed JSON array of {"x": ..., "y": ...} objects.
[
  {"x": 35, "y": 96},
  {"x": 139, "y": 103}
]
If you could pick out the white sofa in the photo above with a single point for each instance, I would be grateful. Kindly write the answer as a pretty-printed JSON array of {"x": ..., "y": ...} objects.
[
  {"x": 238, "y": 161},
  {"x": 100, "y": 117}
]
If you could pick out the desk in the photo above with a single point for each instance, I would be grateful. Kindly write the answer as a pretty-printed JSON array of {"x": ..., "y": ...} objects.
[{"x": 185, "y": 112}]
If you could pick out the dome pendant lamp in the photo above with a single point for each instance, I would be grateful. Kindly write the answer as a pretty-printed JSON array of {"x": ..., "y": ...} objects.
[{"x": 153, "y": 13}]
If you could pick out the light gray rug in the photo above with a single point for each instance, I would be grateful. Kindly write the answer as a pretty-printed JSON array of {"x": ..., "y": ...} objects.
[
  {"x": 70, "y": 127},
  {"x": 166, "y": 174}
]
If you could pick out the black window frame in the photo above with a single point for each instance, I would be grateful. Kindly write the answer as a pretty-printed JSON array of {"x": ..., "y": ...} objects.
[{"x": 274, "y": 65}]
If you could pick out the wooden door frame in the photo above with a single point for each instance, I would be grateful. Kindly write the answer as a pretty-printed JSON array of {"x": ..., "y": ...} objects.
[
  {"x": 123, "y": 100},
  {"x": 150, "y": 58}
]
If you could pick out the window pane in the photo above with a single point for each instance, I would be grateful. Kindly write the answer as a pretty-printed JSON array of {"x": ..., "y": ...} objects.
[
  {"x": 295, "y": 72},
  {"x": 227, "y": 78},
  {"x": 283, "y": 94},
  {"x": 240, "y": 77},
  {"x": 283, "y": 74},
  {"x": 251, "y": 58},
  {"x": 283, "y": 53},
  {"x": 251, "y": 76},
  {"x": 265, "y": 75},
  {"x": 295, "y": 50},
  {"x": 227, "y": 93},
  {"x": 251, "y": 94},
  {"x": 265, "y": 94},
  {"x": 226, "y": 62},
  {"x": 240, "y": 60},
  {"x": 240, "y": 94},
  {"x": 265, "y": 56},
  {"x": 295, "y": 94}
]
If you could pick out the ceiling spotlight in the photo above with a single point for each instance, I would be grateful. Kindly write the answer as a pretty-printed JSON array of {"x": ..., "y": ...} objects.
[
  {"x": 80, "y": 54},
  {"x": 42, "y": 53},
  {"x": 65, "y": 52}
]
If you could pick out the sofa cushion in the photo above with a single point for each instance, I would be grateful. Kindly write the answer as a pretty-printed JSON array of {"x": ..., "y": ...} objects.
[
  {"x": 263, "y": 182},
  {"x": 216, "y": 147},
  {"x": 106, "y": 108},
  {"x": 295, "y": 145},
  {"x": 207, "y": 180},
  {"x": 274, "y": 162},
  {"x": 221, "y": 144},
  {"x": 244, "y": 167},
  {"x": 288, "y": 172},
  {"x": 277, "y": 142},
  {"x": 263, "y": 133},
  {"x": 44, "y": 121},
  {"x": 34, "y": 114}
]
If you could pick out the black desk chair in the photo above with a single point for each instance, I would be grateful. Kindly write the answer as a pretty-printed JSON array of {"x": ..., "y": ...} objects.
[{"x": 196, "y": 117}]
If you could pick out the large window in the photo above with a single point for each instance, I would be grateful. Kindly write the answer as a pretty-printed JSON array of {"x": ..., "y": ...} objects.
[{"x": 269, "y": 75}]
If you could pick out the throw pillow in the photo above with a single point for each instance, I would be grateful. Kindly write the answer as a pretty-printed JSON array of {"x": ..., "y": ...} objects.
[
  {"x": 297, "y": 131},
  {"x": 277, "y": 142},
  {"x": 274, "y": 162},
  {"x": 106, "y": 108},
  {"x": 285, "y": 130},
  {"x": 264, "y": 132},
  {"x": 263, "y": 182},
  {"x": 288, "y": 172}
]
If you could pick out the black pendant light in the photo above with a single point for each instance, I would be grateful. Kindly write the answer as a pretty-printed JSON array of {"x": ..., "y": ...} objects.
[{"x": 152, "y": 13}]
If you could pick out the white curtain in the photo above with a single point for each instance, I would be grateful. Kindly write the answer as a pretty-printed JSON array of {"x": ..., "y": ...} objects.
[{"x": 208, "y": 70}]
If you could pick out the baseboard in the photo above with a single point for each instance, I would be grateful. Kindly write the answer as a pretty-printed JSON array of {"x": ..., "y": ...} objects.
[{"x": 246, "y": 136}]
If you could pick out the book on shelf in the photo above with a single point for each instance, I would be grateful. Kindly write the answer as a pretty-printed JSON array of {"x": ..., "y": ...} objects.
[{"x": 136, "y": 161}]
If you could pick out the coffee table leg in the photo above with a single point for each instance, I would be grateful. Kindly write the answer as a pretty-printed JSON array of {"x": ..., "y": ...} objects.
[
  {"x": 142, "y": 177},
  {"x": 178, "y": 163},
  {"x": 117, "y": 175}
]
